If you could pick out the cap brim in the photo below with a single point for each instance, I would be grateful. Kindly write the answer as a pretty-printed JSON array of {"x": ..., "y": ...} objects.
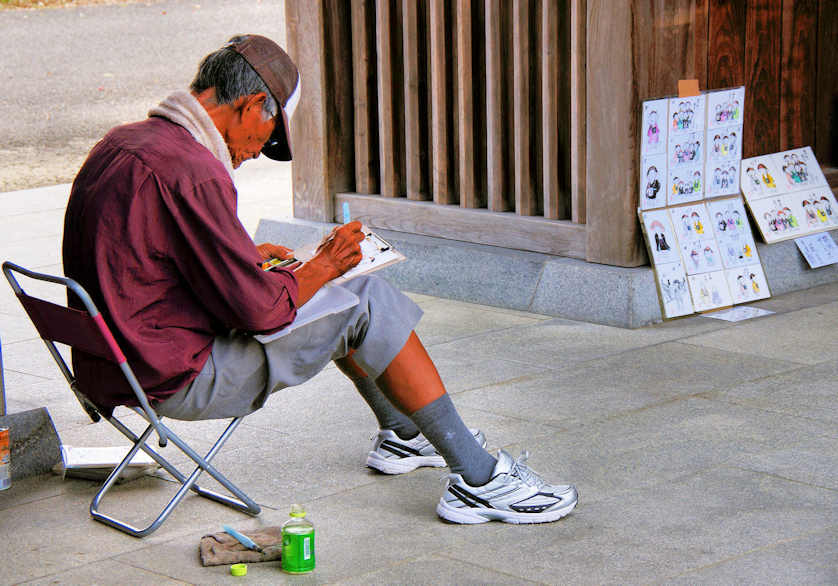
[{"x": 278, "y": 146}]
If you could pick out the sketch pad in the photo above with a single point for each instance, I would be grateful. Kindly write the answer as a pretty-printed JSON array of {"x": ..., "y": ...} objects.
[{"x": 328, "y": 300}]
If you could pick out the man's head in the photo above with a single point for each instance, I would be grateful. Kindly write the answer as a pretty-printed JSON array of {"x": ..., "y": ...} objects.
[{"x": 250, "y": 88}]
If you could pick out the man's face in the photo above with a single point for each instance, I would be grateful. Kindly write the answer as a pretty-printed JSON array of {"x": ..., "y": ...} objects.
[{"x": 249, "y": 132}]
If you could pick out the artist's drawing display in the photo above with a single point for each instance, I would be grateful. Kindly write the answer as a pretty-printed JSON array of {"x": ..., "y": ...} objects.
[
  {"x": 715, "y": 247},
  {"x": 788, "y": 194},
  {"x": 691, "y": 148}
]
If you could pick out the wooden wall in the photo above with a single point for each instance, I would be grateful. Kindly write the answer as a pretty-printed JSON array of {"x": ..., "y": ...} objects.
[
  {"x": 514, "y": 122},
  {"x": 785, "y": 53}
]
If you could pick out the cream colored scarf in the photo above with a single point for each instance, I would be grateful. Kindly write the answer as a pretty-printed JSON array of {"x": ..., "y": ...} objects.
[{"x": 183, "y": 109}]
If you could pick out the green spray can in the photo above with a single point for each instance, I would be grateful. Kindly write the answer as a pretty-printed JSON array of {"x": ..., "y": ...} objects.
[{"x": 297, "y": 543}]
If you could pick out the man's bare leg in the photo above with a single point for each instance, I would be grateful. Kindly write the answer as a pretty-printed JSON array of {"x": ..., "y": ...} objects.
[
  {"x": 412, "y": 383},
  {"x": 388, "y": 415}
]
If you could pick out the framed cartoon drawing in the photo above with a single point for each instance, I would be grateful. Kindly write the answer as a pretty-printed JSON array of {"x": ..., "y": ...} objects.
[
  {"x": 758, "y": 178},
  {"x": 673, "y": 289},
  {"x": 733, "y": 232},
  {"x": 747, "y": 283},
  {"x": 686, "y": 115},
  {"x": 725, "y": 108},
  {"x": 709, "y": 291},
  {"x": 722, "y": 178},
  {"x": 799, "y": 169},
  {"x": 660, "y": 236}
]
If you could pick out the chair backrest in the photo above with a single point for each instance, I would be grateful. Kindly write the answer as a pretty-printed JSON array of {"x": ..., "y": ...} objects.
[
  {"x": 83, "y": 330},
  {"x": 73, "y": 327}
]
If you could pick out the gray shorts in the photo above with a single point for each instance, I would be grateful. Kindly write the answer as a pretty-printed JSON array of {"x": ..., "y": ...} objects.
[{"x": 241, "y": 373}]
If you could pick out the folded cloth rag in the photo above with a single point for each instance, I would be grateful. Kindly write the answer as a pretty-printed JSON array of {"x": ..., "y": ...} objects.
[{"x": 222, "y": 548}]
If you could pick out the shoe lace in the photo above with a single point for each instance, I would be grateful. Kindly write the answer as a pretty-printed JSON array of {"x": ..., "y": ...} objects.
[{"x": 524, "y": 472}]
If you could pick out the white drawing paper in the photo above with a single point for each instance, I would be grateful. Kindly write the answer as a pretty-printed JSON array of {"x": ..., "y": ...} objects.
[
  {"x": 685, "y": 184},
  {"x": 758, "y": 178},
  {"x": 747, "y": 283},
  {"x": 675, "y": 293},
  {"x": 700, "y": 256},
  {"x": 733, "y": 232},
  {"x": 685, "y": 149},
  {"x": 724, "y": 144},
  {"x": 725, "y": 108},
  {"x": 691, "y": 222},
  {"x": 799, "y": 170},
  {"x": 662, "y": 240},
  {"x": 709, "y": 291},
  {"x": 722, "y": 178},
  {"x": 686, "y": 115}
]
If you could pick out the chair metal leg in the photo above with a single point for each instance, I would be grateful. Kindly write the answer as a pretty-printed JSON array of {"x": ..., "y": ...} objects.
[{"x": 242, "y": 502}]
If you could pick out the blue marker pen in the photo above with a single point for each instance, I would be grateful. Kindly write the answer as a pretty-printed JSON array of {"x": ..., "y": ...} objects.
[{"x": 346, "y": 217}]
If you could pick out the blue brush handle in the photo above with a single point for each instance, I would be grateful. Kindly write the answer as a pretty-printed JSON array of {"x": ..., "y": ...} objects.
[{"x": 243, "y": 539}]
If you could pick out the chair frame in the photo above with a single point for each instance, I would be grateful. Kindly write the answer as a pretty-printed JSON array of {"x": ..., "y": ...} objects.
[{"x": 240, "y": 501}]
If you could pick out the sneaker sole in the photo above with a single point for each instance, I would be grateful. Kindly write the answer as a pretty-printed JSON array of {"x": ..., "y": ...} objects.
[
  {"x": 473, "y": 516},
  {"x": 402, "y": 465}
]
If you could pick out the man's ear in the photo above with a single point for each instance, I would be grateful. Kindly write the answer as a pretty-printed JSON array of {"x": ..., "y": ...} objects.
[{"x": 252, "y": 104}]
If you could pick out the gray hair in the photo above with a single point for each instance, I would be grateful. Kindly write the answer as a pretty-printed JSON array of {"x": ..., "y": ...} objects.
[{"x": 232, "y": 77}]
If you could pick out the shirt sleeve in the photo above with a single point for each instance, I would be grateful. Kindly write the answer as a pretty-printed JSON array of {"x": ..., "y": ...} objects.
[{"x": 221, "y": 263}]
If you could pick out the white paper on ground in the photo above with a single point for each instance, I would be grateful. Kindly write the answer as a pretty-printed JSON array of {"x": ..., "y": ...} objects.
[{"x": 738, "y": 313}]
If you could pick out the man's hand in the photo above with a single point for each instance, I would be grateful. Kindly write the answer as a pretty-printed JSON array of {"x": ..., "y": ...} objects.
[
  {"x": 339, "y": 252},
  {"x": 268, "y": 251}
]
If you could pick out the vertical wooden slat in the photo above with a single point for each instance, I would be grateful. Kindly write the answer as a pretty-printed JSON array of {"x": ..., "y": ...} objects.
[
  {"x": 826, "y": 134},
  {"x": 366, "y": 115},
  {"x": 612, "y": 104},
  {"x": 465, "y": 94},
  {"x": 498, "y": 112},
  {"x": 442, "y": 174},
  {"x": 578, "y": 113},
  {"x": 524, "y": 191},
  {"x": 726, "y": 52},
  {"x": 554, "y": 204},
  {"x": 415, "y": 104},
  {"x": 390, "y": 99},
  {"x": 798, "y": 84},
  {"x": 762, "y": 73}
]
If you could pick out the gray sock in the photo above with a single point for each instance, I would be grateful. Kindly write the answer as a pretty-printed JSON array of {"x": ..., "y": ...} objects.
[
  {"x": 441, "y": 424},
  {"x": 388, "y": 416}
]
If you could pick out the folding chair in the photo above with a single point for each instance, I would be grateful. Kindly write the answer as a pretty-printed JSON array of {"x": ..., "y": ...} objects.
[{"x": 87, "y": 331}]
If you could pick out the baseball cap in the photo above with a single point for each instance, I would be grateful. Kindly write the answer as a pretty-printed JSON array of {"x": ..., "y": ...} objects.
[{"x": 281, "y": 76}]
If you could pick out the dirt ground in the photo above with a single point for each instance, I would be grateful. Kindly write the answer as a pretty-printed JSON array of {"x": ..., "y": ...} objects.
[{"x": 100, "y": 63}]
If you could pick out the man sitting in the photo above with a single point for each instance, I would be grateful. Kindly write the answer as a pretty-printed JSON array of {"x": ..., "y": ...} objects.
[{"x": 151, "y": 232}]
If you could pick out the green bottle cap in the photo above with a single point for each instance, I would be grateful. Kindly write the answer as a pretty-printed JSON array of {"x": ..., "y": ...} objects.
[{"x": 298, "y": 511}]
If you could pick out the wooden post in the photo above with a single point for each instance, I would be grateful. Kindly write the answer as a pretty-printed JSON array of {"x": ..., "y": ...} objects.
[
  {"x": 322, "y": 132},
  {"x": 611, "y": 177},
  {"x": 442, "y": 183},
  {"x": 415, "y": 102}
]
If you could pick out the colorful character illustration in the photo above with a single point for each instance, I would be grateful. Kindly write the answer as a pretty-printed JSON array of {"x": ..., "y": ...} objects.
[
  {"x": 652, "y": 183},
  {"x": 766, "y": 176},
  {"x": 754, "y": 284},
  {"x": 811, "y": 214},
  {"x": 721, "y": 222},
  {"x": 827, "y": 206},
  {"x": 653, "y": 133},
  {"x": 752, "y": 174},
  {"x": 696, "y": 220}
]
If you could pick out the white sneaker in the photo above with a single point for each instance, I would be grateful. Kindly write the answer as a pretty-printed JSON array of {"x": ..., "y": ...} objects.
[
  {"x": 392, "y": 455},
  {"x": 515, "y": 494}
]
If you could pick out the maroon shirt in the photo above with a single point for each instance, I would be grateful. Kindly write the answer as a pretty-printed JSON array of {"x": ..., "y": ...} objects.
[{"x": 151, "y": 232}]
